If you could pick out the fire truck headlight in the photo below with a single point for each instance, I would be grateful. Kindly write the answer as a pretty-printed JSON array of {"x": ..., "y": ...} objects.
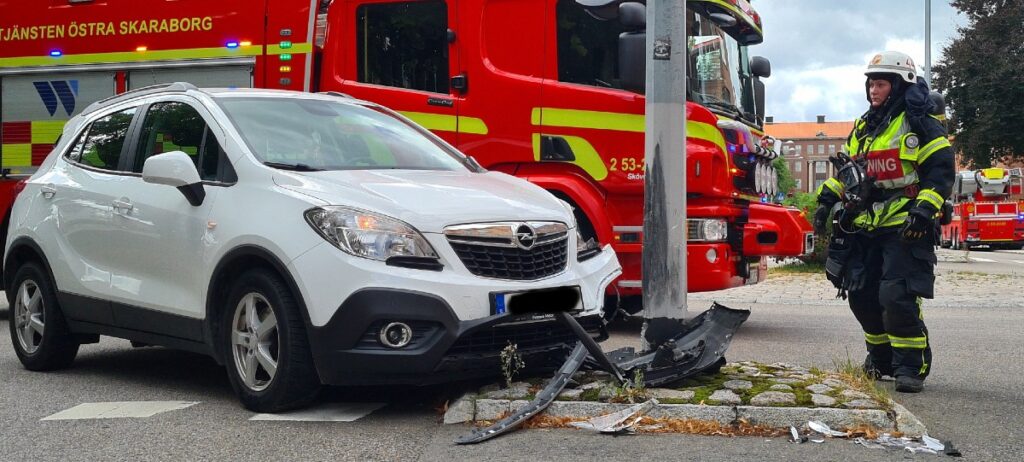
[{"x": 707, "y": 230}]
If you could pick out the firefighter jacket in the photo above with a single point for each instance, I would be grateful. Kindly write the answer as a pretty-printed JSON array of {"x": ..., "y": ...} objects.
[{"x": 912, "y": 164}]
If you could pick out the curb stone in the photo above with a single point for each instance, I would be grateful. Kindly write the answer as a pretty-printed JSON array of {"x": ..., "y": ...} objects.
[{"x": 899, "y": 419}]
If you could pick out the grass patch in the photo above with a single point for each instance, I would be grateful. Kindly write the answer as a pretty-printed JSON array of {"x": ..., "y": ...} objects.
[
  {"x": 800, "y": 268},
  {"x": 853, "y": 374},
  {"x": 591, "y": 394}
]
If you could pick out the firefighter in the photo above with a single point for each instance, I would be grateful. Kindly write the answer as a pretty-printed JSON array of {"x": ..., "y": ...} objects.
[{"x": 889, "y": 218}]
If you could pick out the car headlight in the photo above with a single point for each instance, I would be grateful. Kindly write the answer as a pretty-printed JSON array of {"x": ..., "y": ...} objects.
[
  {"x": 585, "y": 249},
  {"x": 367, "y": 234}
]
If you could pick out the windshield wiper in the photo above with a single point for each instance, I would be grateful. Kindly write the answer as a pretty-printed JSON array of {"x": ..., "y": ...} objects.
[{"x": 293, "y": 167}]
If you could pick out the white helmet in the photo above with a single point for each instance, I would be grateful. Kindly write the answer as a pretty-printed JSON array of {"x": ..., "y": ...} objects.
[{"x": 893, "y": 62}]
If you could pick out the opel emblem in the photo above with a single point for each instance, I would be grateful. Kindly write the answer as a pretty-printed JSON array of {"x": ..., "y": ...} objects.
[{"x": 525, "y": 237}]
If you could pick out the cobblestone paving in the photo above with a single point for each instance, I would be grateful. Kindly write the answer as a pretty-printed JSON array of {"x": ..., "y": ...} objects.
[{"x": 952, "y": 288}]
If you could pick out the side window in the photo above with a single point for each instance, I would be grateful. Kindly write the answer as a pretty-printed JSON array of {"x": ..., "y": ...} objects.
[
  {"x": 174, "y": 126},
  {"x": 588, "y": 48},
  {"x": 403, "y": 45},
  {"x": 100, "y": 146}
]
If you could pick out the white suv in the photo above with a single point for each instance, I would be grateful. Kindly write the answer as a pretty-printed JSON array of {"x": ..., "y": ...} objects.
[{"x": 300, "y": 239}]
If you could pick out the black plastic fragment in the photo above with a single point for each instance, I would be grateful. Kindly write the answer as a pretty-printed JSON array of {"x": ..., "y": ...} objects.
[{"x": 541, "y": 402}]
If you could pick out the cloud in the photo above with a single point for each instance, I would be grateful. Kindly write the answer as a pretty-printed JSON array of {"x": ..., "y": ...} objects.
[{"x": 819, "y": 49}]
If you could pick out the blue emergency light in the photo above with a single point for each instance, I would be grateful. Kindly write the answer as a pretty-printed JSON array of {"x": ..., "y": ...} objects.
[
  {"x": 232, "y": 44},
  {"x": 56, "y": 53}
]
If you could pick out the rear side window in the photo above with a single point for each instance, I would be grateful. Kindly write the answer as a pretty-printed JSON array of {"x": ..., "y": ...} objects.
[
  {"x": 100, "y": 146},
  {"x": 174, "y": 126},
  {"x": 403, "y": 45}
]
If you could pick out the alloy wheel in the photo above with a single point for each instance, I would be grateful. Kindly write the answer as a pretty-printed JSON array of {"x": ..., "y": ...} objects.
[
  {"x": 255, "y": 342},
  {"x": 28, "y": 316}
]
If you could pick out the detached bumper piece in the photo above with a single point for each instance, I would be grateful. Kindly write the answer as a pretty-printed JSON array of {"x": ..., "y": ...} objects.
[{"x": 699, "y": 346}]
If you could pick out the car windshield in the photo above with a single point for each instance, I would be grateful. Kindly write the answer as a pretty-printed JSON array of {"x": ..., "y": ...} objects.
[
  {"x": 315, "y": 134},
  {"x": 717, "y": 67}
]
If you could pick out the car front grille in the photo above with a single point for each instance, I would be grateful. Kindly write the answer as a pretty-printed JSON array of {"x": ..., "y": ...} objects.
[{"x": 492, "y": 250}]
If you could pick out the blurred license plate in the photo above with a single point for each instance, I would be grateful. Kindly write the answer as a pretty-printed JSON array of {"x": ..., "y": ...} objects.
[{"x": 558, "y": 299}]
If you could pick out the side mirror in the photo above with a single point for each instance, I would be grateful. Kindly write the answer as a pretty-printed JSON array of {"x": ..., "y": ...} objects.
[
  {"x": 722, "y": 19},
  {"x": 633, "y": 15},
  {"x": 760, "y": 67},
  {"x": 175, "y": 169},
  {"x": 759, "y": 100},
  {"x": 632, "y": 61}
]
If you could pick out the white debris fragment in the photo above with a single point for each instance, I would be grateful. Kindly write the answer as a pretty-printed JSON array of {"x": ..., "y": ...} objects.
[{"x": 618, "y": 422}]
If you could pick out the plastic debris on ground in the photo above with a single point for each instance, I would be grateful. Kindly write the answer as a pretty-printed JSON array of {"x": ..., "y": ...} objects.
[
  {"x": 623, "y": 421},
  {"x": 923, "y": 445}
]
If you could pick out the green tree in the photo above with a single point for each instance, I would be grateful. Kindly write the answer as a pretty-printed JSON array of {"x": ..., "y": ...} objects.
[
  {"x": 786, "y": 181},
  {"x": 981, "y": 75}
]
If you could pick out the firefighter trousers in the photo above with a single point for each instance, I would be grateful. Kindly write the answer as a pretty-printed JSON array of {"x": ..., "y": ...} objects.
[{"x": 888, "y": 308}]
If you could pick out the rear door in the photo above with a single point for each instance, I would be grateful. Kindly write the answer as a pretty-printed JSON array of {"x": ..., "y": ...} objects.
[{"x": 403, "y": 59}]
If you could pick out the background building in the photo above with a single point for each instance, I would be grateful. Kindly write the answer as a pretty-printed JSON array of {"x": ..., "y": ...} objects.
[{"x": 806, "y": 146}]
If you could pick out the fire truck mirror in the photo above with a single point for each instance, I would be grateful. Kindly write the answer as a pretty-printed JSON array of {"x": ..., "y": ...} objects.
[
  {"x": 633, "y": 16},
  {"x": 632, "y": 61}
]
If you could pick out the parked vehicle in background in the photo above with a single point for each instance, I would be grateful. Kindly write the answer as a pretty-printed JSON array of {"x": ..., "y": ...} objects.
[
  {"x": 299, "y": 239},
  {"x": 545, "y": 90},
  {"x": 988, "y": 210}
]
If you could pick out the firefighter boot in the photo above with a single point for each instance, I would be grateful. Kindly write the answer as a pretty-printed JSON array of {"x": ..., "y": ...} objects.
[
  {"x": 876, "y": 370},
  {"x": 909, "y": 384}
]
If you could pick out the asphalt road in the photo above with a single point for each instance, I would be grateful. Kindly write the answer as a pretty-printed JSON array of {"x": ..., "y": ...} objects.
[
  {"x": 986, "y": 261},
  {"x": 974, "y": 398}
]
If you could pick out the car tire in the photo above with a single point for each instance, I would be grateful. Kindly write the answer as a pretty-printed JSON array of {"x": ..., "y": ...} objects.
[
  {"x": 269, "y": 361},
  {"x": 39, "y": 332}
]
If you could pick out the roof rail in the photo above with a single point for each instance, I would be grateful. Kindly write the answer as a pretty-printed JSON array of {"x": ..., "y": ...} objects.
[
  {"x": 176, "y": 87},
  {"x": 336, "y": 93}
]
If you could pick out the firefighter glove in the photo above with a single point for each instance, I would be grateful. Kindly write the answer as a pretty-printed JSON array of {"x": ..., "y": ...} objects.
[
  {"x": 821, "y": 219},
  {"x": 919, "y": 222}
]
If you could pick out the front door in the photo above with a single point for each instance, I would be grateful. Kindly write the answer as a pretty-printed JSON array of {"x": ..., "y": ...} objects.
[
  {"x": 161, "y": 237},
  {"x": 404, "y": 58}
]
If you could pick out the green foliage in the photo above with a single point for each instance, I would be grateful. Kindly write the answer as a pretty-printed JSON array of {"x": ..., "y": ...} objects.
[
  {"x": 786, "y": 181},
  {"x": 981, "y": 74}
]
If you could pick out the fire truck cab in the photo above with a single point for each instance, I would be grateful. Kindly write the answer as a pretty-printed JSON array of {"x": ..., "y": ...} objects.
[{"x": 541, "y": 89}]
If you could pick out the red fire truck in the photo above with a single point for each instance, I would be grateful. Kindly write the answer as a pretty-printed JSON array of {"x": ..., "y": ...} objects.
[
  {"x": 988, "y": 210},
  {"x": 539, "y": 89}
]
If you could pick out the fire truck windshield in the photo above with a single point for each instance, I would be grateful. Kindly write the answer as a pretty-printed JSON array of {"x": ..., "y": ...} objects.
[{"x": 718, "y": 67}]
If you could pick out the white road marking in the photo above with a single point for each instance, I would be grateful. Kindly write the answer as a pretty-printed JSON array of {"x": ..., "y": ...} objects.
[
  {"x": 119, "y": 409},
  {"x": 983, "y": 260},
  {"x": 332, "y": 412},
  {"x": 1019, "y": 261}
]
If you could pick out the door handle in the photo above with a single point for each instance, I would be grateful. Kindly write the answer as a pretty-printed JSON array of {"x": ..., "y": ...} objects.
[
  {"x": 48, "y": 190},
  {"x": 123, "y": 204}
]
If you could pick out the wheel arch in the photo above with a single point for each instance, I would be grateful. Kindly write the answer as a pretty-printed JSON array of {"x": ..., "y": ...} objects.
[
  {"x": 580, "y": 191},
  {"x": 22, "y": 250},
  {"x": 230, "y": 266}
]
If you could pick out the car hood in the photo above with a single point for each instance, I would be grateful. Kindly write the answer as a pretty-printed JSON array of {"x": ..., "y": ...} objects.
[{"x": 430, "y": 200}]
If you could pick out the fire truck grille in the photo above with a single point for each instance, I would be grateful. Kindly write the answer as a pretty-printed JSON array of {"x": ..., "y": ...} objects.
[{"x": 543, "y": 260}]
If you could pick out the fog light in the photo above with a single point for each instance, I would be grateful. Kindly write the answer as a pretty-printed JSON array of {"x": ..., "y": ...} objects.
[
  {"x": 712, "y": 255},
  {"x": 396, "y": 335}
]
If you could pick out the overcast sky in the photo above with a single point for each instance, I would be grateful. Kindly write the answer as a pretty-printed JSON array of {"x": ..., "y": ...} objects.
[{"x": 819, "y": 49}]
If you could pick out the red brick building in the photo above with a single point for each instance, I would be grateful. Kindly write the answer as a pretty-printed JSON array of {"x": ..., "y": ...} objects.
[{"x": 806, "y": 146}]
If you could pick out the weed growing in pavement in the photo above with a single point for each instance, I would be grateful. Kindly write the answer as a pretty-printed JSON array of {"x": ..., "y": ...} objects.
[
  {"x": 511, "y": 363},
  {"x": 633, "y": 390},
  {"x": 853, "y": 373}
]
